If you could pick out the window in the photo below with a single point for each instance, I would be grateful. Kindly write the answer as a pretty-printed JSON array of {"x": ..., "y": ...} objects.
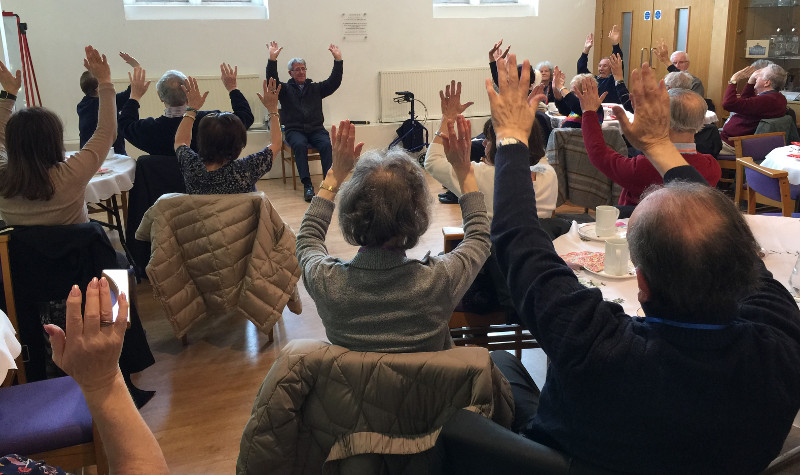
[
  {"x": 196, "y": 9},
  {"x": 484, "y": 8}
]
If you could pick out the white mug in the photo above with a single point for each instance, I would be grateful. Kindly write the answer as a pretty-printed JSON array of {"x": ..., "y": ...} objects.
[
  {"x": 617, "y": 256},
  {"x": 606, "y": 221}
]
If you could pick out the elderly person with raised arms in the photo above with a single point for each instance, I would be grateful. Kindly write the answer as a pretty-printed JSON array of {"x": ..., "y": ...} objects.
[
  {"x": 629, "y": 393},
  {"x": 605, "y": 78},
  {"x": 634, "y": 175},
  {"x": 439, "y": 167},
  {"x": 678, "y": 61},
  {"x": 156, "y": 135},
  {"x": 382, "y": 300}
]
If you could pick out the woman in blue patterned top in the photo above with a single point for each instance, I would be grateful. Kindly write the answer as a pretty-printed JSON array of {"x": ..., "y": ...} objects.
[{"x": 215, "y": 167}]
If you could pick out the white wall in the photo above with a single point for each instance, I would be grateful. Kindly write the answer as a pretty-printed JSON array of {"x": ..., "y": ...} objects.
[{"x": 402, "y": 35}]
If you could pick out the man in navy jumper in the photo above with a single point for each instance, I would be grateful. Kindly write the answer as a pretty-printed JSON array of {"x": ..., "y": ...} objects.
[
  {"x": 707, "y": 382},
  {"x": 301, "y": 111},
  {"x": 605, "y": 78}
]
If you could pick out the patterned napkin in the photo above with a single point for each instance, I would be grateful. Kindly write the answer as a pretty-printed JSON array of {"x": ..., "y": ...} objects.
[{"x": 593, "y": 261}]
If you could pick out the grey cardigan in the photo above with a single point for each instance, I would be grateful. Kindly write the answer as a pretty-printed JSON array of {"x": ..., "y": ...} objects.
[{"x": 383, "y": 301}]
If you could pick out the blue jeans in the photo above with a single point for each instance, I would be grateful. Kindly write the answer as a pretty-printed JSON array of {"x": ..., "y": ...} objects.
[{"x": 299, "y": 141}]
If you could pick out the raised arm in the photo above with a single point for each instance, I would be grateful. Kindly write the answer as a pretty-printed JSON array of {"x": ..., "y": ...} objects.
[
  {"x": 11, "y": 84},
  {"x": 123, "y": 96},
  {"x": 89, "y": 352},
  {"x": 435, "y": 160},
  {"x": 583, "y": 60},
  {"x": 106, "y": 131},
  {"x": 619, "y": 81},
  {"x": 650, "y": 131},
  {"x": 195, "y": 100},
  {"x": 272, "y": 62},
  {"x": 494, "y": 54},
  {"x": 330, "y": 85},
  {"x": 662, "y": 53},
  {"x": 270, "y": 101}
]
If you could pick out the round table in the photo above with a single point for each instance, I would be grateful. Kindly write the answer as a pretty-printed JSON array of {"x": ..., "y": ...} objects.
[
  {"x": 9, "y": 346},
  {"x": 114, "y": 177}
]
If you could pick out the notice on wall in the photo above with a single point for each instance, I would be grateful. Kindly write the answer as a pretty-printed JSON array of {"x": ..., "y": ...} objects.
[
  {"x": 354, "y": 26},
  {"x": 657, "y": 15},
  {"x": 647, "y": 15}
]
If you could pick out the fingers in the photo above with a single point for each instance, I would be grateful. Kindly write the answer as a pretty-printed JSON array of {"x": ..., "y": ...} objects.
[
  {"x": 121, "y": 324},
  {"x": 358, "y": 149},
  {"x": 106, "y": 314},
  {"x": 505, "y": 53},
  {"x": 74, "y": 319},
  {"x": 603, "y": 96},
  {"x": 622, "y": 117},
  {"x": 333, "y": 136},
  {"x": 57, "y": 342},
  {"x": 91, "y": 313}
]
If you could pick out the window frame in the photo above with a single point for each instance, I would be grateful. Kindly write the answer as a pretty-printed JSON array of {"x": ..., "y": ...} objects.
[
  {"x": 196, "y": 10},
  {"x": 476, "y": 9}
]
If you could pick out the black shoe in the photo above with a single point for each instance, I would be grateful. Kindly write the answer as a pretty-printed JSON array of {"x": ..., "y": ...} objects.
[
  {"x": 308, "y": 192},
  {"x": 444, "y": 195},
  {"x": 449, "y": 198}
]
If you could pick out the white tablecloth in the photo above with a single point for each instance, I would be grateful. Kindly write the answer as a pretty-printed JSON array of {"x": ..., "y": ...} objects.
[
  {"x": 115, "y": 176},
  {"x": 779, "y": 159},
  {"x": 9, "y": 346},
  {"x": 778, "y": 236},
  {"x": 556, "y": 120}
]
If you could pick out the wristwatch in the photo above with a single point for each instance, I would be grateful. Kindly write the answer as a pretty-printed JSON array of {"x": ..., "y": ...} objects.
[
  {"x": 6, "y": 95},
  {"x": 508, "y": 141},
  {"x": 617, "y": 83}
]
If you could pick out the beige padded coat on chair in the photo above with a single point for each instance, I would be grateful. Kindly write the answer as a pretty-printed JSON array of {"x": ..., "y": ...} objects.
[
  {"x": 325, "y": 409},
  {"x": 215, "y": 254}
]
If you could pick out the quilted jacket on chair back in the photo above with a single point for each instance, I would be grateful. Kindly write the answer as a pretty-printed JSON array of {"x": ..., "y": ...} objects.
[
  {"x": 325, "y": 408},
  {"x": 214, "y": 254}
]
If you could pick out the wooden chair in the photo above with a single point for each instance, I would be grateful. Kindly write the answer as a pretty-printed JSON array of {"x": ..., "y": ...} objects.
[
  {"x": 489, "y": 330},
  {"x": 57, "y": 401},
  {"x": 287, "y": 155},
  {"x": 765, "y": 186}
]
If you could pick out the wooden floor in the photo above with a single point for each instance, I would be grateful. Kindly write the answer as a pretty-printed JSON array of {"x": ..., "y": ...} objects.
[{"x": 205, "y": 391}]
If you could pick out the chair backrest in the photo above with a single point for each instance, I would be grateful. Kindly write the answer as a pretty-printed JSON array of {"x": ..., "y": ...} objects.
[
  {"x": 759, "y": 145},
  {"x": 764, "y": 185},
  {"x": 786, "y": 123}
]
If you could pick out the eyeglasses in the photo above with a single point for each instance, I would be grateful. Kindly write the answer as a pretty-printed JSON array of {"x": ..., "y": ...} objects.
[{"x": 298, "y": 70}]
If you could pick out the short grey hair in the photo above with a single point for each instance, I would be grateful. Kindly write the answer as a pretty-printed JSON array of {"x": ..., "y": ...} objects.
[
  {"x": 545, "y": 64},
  {"x": 672, "y": 56},
  {"x": 579, "y": 77},
  {"x": 296, "y": 60},
  {"x": 687, "y": 110},
  {"x": 678, "y": 80},
  {"x": 761, "y": 63},
  {"x": 169, "y": 88},
  {"x": 776, "y": 76},
  {"x": 386, "y": 201}
]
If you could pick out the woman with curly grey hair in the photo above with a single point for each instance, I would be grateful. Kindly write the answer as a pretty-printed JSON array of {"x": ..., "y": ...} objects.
[{"x": 382, "y": 300}]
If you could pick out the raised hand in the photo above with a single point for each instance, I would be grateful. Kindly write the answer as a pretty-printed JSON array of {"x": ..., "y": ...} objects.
[
  {"x": 743, "y": 73},
  {"x": 130, "y": 60},
  {"x": 451, "y": 101},
  {"x": 345, "y": 152},
  {"x": 537, "y": 95},
  {"x": 138, "y": 83},
  {"x": 495, "y": 53},
  {"x": 10, "y": 82},
  {"x": 512, "y": 114},
  {"x": 89, "y": 350},
  {"x": 194, "y": 99},
  {"x": 614, "y": 35},
  {"x": 97, "y": 65},
  {"x": 335, "y": 51},
  {"x": 651, "y": 127},
  {"x": 274, "y": 50},
  {"x": 457, "y": 146},
  {"x": 616, "y": 67},
  {"x": 270, "y": 97},
  {"x": 557, "y": 83},
  {"x": 589, "y": 43},
  {"x": 229, "y": 76},
  {"x": 586, "y": 92},
  {"x": 661, "y": 52}
]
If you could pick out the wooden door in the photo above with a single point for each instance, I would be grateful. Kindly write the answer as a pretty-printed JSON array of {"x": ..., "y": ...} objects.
[{"x": 614, "y": 12}]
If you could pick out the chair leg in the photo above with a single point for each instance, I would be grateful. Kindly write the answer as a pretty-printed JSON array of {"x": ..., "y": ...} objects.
[
  {"x": 124, "y": 200},
  {"x": 294, "y": 174},
  {"x": 270, "y": 335},
  {"x": 283, "y": 164}
]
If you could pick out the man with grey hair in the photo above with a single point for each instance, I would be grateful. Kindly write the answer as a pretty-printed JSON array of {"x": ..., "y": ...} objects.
[
  {"x": 678, "y": 390},
  {"x": 156, "y": 135},
  {"x": 301, "y": 111},
  {"x": 760, "y": 99},
  {"x": 678, "y": 61},
  {"x": 707, "y": 138},
  {"x": 678, "y": 80},
  {"x": 635, "y": 174}
]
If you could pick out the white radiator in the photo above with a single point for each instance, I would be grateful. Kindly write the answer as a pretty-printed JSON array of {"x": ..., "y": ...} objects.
[
  {"x": 425, "y": 85},
  {"x": 218, "y": 98}
]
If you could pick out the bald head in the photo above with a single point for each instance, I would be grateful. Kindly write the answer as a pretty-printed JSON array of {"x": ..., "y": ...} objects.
[
  {"x": 681, "y": 238},
  {"x": 687, "y": 111}
]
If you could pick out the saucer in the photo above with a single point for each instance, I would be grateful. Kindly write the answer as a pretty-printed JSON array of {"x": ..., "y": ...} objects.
[
  {"x": 631, "y": 273},
  {"x": 588, "y": 231}
]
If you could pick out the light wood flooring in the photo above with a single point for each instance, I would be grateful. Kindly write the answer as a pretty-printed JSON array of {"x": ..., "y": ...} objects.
[{"x": 205, "y": 391}]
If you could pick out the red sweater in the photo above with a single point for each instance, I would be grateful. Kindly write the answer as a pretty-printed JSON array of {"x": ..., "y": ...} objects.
[
  {"x": 750, "y": 108},
  {"x": 637, "y": 173}
]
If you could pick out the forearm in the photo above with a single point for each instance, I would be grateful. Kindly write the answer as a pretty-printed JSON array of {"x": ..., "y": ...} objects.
[
  {"x": 437, "y": 165},
  {"x": 6, "y": 109},
  {"x": 493, "y": 70},
  {"x": 664, "y": 157},
  {"x": 583, "y": 63},
  {"x": 129, "y": 444},
  {"x": 272, "y": 69},
  {"x": 313, "y": 229},
  {"x": 183, "y": 136},
  {"x": 241, "y": 108},
  {"x": 275, "y": 134}
]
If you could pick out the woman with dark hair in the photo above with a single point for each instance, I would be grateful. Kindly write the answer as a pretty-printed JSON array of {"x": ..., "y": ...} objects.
[
  {"x": 382, "y": 300},
  {"x": 545, "y": 185},
  {"x": 215, "y": 168},
  {"x": 38, "y": 186}
]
